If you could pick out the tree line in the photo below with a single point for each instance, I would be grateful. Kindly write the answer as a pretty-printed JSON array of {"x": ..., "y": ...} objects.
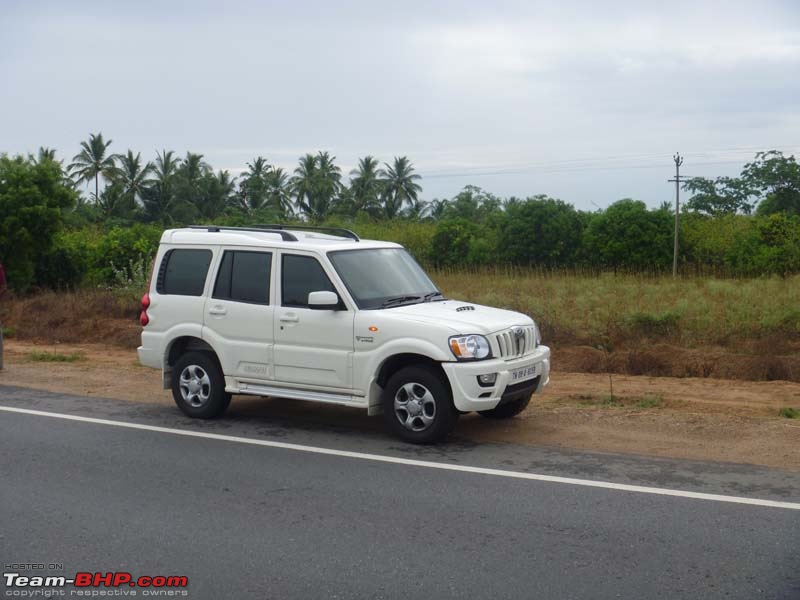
[
  {"x": 172, "y": 189},
  {"x": 53, "y": 235}
]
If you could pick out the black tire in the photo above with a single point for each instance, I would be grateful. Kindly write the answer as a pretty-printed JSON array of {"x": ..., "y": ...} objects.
[
  {"x": 202, "y": 397},
  {"x": 431, "y": 396},
  {"x": 507, "y": 410}
]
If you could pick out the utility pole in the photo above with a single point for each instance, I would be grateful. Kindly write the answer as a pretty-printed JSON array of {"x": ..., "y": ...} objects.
[{"x": 678, "y": 162}]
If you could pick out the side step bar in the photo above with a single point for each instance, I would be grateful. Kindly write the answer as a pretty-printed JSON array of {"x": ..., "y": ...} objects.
[{"x": 294, "y": 394}]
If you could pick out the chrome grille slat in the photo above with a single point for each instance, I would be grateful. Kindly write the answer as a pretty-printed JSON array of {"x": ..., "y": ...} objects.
[{"x": 509, "y": 347}]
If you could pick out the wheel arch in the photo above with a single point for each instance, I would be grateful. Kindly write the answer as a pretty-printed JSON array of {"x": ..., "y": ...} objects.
[
  {"x": 180, "y": 346},
  {"x": 395, "y": 362}
]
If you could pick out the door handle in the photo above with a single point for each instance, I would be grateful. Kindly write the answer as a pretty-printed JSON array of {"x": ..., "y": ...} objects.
[
  {"x": 290, "y": 319},
  {"x": 217, "y": 310}
]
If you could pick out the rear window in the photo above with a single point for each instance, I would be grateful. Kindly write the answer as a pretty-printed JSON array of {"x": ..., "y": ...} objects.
[
  {"x": 183, "y": 272},
  {"x": 244, "y": 277}
]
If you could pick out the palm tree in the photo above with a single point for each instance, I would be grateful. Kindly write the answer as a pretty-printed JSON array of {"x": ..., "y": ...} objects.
[
  {"x": 132, "y": 176},
  {"x": 366, "y": 186},
  {"x": 438, "y": 208},
  {"x": 328, "y": 185},
  {"x": 417, "y": 210},
  {"x": 279, "y": 195},
  {"x": 188, "y": 179},
  {"x": 159, "y": 198},
  {"x": 215, "y": 194},
  {"x": 303, "y": 182},
  {"x": 253, "y": 186},
  {"x": 92, "y": 161},
  {"x": 45, "y": 154},
  {"x": 400, "y": 186}
]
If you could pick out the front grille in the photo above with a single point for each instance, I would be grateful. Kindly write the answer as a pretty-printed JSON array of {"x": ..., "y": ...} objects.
[{"x": 510, "y": 344}]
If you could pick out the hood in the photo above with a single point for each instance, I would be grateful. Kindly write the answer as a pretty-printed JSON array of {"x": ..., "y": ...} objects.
[{"x": 472, "y": 318}]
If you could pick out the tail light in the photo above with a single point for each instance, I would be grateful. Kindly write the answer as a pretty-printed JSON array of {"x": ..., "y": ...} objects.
[{"x": 143, "y": 318}]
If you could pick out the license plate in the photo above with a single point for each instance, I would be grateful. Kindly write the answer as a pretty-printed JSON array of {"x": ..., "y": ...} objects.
[{"x": 524, "y": 373}]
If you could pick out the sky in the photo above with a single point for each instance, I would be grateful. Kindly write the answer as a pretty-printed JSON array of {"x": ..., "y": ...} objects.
[{"x": 583, "y": 101}]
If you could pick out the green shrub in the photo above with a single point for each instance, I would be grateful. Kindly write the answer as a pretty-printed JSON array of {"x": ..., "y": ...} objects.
[
  {"x": 653, "y": 325},
  {"x": 787, "y": 412}
]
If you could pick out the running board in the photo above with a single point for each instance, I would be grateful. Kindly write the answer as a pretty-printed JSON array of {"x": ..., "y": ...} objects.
[{"x": 294, "y": 394}]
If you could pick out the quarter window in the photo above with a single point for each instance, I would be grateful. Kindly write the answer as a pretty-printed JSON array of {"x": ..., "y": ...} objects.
[
  {"x": 301, "y": 275},
  {"x": 244, "y": 277},
  {"x": 183, "y": 272}
]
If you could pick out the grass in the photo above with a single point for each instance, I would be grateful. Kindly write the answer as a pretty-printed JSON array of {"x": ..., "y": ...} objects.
[
  {"x": 583, "y": 308},
  {"x": 8, "y": 332},
  {"x": 787, "y": 412},
  {"x": 38, "y": 356},
  {"x": 610, "y": 311},
  {"x": 646, "y": 402}
]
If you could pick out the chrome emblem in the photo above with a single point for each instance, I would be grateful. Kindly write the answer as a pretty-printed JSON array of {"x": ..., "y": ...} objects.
[{"x": 519, "y": 337}]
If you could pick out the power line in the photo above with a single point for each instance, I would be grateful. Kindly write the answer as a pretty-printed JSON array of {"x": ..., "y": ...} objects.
[{"x": 589, "y": 164}]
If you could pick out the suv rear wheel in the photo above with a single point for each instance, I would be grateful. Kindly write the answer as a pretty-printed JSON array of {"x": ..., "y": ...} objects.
[
  {"x": 198, "y": 386},
  {"x": 417, "y": 405}
]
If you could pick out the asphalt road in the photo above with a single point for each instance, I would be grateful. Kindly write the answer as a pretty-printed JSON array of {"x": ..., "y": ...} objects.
[{"x": 249, "y": 521}]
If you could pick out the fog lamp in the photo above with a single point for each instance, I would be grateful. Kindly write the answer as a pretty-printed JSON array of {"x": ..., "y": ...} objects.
[{"x": 487, "y": 379}]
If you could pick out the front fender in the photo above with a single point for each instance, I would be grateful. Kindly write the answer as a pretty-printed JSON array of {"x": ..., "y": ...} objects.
[{"x": 367, "y": 364}]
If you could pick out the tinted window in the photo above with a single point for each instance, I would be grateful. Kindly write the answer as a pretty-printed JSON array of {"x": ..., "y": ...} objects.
[
  {"x": 301, "y": 275},
  {"x": 244, "y": 277},
  {"x": 183, "y": 272}
]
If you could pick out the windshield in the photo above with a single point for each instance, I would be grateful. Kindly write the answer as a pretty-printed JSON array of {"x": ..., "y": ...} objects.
[{"x": 383, "y": 277}]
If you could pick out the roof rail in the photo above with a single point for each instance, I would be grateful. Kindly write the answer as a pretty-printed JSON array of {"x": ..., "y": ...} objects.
[
  {"x": 285, "y": 235},
  {"x": 340, "y": 230}
]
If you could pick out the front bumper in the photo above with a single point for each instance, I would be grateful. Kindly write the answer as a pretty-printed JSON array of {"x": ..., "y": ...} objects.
[{"x": 469, "y": 395}]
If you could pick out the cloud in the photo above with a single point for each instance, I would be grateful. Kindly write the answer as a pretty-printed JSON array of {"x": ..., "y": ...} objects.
[{"x": 461, "y": 87}]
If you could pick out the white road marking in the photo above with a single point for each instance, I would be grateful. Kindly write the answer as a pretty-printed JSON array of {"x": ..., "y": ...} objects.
[{"x": 415, "y": 463}]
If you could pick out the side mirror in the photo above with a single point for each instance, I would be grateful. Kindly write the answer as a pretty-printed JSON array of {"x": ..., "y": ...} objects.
[{"x": 323, "y": 300}]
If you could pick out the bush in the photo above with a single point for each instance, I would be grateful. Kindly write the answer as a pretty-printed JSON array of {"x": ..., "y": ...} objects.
[{"x": 540, "y": 231}]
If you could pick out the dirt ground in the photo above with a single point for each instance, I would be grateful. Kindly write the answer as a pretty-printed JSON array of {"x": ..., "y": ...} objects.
[{"x": 693, "y": 418}]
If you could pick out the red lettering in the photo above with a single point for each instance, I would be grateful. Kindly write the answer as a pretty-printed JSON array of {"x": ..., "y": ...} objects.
[{"x": 104, "y": 579}]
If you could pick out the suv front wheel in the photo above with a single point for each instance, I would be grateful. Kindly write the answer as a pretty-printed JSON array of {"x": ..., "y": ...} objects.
[
  {"x": 417, "y": 405},
  {"x": 198, "y": 386}
]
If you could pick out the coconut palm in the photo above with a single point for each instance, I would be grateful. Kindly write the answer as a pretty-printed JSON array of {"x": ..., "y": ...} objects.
[
  {"x": 438, "y": 208},
  {"x": 400, "y": 187},
  {"x": 215, "y": 194},
  {"x": 366, "y": 186},
  {"x": 316, "y": 183},
  {"x": 92, "y": 161},
  {"x": 329, "y": 183},
  {"x": 417, "y": 210},
  {"x": 189, "y": 178},
  {"x": 159, "y": 199},
  {"x": 253, "y": 186},
  {"x": 132, "y": 176},
  {"x": 45, "y": 154},
  {"x": 279, "y": 195}
]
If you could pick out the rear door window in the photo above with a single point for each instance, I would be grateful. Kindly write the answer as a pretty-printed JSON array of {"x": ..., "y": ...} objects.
[
  {"x": 244, "y": 277},
  {"x": 183, "y": 272}
]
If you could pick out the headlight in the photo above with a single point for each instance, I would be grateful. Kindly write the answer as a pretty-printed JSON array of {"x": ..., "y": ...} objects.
[
  {"x": 470, "y": 347},
  {"x": 537, "y": 336}
]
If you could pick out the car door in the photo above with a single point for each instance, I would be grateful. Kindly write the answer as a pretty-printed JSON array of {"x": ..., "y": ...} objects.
[
  {"x": 312, "y": 347},
  {"x": 239, "y": 313}
]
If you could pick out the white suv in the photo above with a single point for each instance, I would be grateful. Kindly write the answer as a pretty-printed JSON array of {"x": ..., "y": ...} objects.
[{"x": 318, "y": 314}]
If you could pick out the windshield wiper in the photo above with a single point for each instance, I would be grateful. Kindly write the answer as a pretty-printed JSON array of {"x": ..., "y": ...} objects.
[
  {"x": 399, "y": 300},
  {"x": 429, "y": 297}
]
